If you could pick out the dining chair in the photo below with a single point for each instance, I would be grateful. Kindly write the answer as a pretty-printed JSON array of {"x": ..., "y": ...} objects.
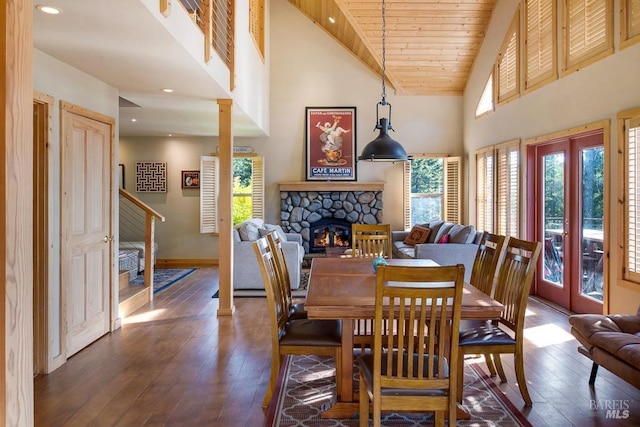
[
  {"x": 414, "y": 366},
  {"x": 368, "y": 241},
  {"x": 371, "y": 240},
  {"x": 289, "y": 337},
  {"x": 486, "y": 262},
  {"x": 506, "y": 334},
  {"x": 296, "y": 309}
]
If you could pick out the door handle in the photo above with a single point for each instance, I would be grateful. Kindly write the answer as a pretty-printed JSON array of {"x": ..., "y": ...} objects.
[{"x": 107, "y": 239}]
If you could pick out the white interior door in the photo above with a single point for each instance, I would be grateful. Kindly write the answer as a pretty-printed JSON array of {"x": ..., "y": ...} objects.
[{"x": 86, "y": 229}]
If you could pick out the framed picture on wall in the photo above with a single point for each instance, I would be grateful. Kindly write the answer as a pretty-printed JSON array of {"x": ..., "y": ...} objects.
[
  {"x": 191, "y": 179},
  {"x": 330, "y": 142}
]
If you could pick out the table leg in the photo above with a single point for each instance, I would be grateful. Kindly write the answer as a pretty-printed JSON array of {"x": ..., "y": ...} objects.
[{"x": 346, "y": 405}]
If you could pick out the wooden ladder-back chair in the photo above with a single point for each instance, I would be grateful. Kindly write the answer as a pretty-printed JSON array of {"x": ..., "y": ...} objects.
[
  {"x": 512, "y": 290},
  {"x": 303, "y": 336},
  {"x": 414, "y": 366},
  {"x": 486, "y": 262},
  {"x": 371, "y": 240},
  {"x": 296, "y": 310},
  {"x": 368, "y": 241}
]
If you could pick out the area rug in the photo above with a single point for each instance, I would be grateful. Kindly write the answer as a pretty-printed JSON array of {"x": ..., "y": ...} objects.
[
  {"x": 164, "y": 277},
  {"x": 301, "y": 292},
  {"x": 306, "y": 388}
]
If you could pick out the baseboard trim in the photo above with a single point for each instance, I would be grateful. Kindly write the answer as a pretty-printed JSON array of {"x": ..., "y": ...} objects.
[{"x": 185, "y": 263}]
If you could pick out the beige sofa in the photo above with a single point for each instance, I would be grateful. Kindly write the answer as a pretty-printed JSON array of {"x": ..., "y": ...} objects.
[{"x": 461, "y": 248}]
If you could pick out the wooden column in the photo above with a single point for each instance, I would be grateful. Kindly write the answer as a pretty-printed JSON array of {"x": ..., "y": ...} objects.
[
  {"x": 16, "y": 213},
  {"x": 225, "y": 204}
]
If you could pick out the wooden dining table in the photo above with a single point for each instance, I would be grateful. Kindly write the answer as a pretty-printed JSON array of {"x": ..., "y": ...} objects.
[{"x": 345, "y": 288}]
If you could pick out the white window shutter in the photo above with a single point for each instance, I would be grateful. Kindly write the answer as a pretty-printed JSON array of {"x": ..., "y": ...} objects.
[
  {"x": 257, "y": 191},
  {"x": 209, "y": 191},
  {"x": 452, "y": 189}
]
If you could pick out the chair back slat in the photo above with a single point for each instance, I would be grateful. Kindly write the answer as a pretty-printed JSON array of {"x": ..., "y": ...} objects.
[
  {"x": 486, "y": 262},
  {"x": 275, "y": 245},
  {"x": 278, "y": 312},
  {"x": 515, "y": 278},
  {"x": 423, "y": 305},
  {"x": 371, "y": 240}
]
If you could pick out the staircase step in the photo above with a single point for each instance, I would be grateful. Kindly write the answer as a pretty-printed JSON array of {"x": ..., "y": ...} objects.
[
  {"x": 123, "y": 279},
  {"x": 132, "y": 298}
]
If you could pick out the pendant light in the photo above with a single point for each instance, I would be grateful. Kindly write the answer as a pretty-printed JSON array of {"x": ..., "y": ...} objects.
[{"x": 383, "y": 148}]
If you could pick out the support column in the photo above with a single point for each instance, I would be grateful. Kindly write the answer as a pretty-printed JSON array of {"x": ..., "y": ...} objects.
[
  {"x": 16, "y": 213},
  {"x": 225, "y": 206}
]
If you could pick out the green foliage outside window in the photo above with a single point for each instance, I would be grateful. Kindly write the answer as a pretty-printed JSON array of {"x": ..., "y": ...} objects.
[
  {"x": 427, "y": 188},
  {"x": 242, "y": 189}
]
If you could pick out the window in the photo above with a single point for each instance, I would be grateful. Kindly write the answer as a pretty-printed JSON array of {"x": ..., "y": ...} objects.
[
  {"x": 256, "y": 24},
  {"x": 248, "y": 190},
  {"x": 508, "y": 65},
  {"x": 498, "y": 189},
  {"x": 629, "y": 22},
  {"x": 432, "y": 189},
  {"x": 588, "y": 32},
  {"x": 540, "y": 43},
  {"x": 630, "y": 151},
  {"x": 486, "y": 100}
]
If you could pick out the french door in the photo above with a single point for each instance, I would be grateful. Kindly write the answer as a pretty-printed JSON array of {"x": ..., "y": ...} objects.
[{"x": 568, "y": 191}]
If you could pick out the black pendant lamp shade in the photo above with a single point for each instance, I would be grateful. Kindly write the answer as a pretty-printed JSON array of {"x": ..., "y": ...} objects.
[{"x": 384, "y": 148}]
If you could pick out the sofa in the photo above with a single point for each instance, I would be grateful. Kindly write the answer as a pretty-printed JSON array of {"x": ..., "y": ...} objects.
[
  {"x": 610, "y": 341},
  {"x": 246, "y": 271},
  {"x": 446, "y": 243}
]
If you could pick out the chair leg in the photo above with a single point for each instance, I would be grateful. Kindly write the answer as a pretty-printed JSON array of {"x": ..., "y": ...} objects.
[
  {"x": 439, "y": 419},
  {"x": 498, "y": 362},
  {"x": 594, "y": 372},
  {"x": 522, "y": 383},
  {"x": 489, "y": 362},
  {"x": 460, "y": 379},
  {"x": 273, "y": 379},
  {"x": 364, "y": 403}
]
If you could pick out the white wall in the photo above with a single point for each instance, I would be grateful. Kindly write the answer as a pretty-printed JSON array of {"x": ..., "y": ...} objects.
[
  {"x": 65, "y": 83},
  {"x": 597, "y": 92}
]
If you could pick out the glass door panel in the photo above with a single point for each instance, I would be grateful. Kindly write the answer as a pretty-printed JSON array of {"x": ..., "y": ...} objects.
[{"x": 553, "y": 217}]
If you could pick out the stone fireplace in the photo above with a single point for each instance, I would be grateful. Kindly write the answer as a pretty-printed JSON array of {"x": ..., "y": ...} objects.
[{"x": 322, "y": 212}]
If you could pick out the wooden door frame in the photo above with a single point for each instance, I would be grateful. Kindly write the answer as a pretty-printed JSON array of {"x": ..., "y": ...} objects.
[
  {"x": 603, "y": 126},
  {"x": 42, "y": 138},
  {"x": 66, "y": 108}
]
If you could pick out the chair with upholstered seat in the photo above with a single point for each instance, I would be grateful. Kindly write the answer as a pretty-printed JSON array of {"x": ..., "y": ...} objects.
[
  {"x": 371, "y": 240},
  {"x": 413, "y": 367},
  {"x": 512, "y": 290},
  {"x": 296, "y": 310},
  {"x": 304, "y": 336}
]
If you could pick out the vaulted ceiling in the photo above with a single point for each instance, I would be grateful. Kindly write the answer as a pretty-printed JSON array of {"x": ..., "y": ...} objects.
[{"x": 430, "y": 44}]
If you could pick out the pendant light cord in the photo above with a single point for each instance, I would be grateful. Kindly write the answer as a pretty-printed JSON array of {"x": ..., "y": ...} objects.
[{"x": 384, "y": 52}]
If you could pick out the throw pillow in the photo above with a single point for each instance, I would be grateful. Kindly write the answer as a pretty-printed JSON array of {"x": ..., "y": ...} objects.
[
  {"x": 417, "y": 235},
  {"x": 271, "y": 227},
  {"x": 444, "y": 239},
  {"x": 460, "y": 233},
  {"x": 435, "y": 227},
  {"x": 248, "y": 229}
]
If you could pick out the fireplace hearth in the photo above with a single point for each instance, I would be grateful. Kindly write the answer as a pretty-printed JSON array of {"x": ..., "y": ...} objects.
[{"x": 322, "y": 213}]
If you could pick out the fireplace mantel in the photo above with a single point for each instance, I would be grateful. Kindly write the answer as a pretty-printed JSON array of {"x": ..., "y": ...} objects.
[{"x": 331, "y": 186}]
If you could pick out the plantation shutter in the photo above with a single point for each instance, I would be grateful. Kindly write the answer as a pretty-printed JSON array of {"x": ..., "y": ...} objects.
[
  {"x": 484, "y": 189},
  {"x": 540, "y": 42},
  {"x": 208, "y": 194},
  {"x": 507, "y": 188},
  {"x": 257, "y": 180},
  {"x": 452, "y": 189},
  {"x": 588, "y": 31},
  {"x": 406, "y": 193},
  {"x": 630, "y": 22},
  {"x": 507, "y": 75},
  {"x": 256, "y": 24},
  {"x": 632, "y": 198}
]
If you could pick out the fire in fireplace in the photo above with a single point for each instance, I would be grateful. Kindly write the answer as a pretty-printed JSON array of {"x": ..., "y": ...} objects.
[{"x": 330, "y": 233}]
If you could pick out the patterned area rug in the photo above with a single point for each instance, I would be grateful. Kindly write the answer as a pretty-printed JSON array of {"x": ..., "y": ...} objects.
[
  {"x": 163, "y": 278},
  {"x": 307, "y": 388}
]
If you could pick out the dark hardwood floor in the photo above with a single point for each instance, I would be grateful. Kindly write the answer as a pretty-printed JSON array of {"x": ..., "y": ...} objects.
[{"x": 175, "y": 363}]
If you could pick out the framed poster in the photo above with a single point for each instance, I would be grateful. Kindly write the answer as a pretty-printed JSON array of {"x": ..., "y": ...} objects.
[
  {"x": 191, "y": 179},
  {"x": 330, "y": 143},
  {"x": 151, "y": 177}
]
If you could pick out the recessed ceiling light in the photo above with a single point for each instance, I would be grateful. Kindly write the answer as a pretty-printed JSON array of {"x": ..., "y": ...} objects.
[
  {"x": 170, "y": 134},
  {"x": 134, "y": 120},
  {"x": 50, "y": 10},
  {"x": 167, "y": 90},
  {"x": 332, "y": 20}
]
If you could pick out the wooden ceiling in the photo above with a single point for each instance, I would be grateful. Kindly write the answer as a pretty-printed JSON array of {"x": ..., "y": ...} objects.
[{"x": 430, "y": 45}]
